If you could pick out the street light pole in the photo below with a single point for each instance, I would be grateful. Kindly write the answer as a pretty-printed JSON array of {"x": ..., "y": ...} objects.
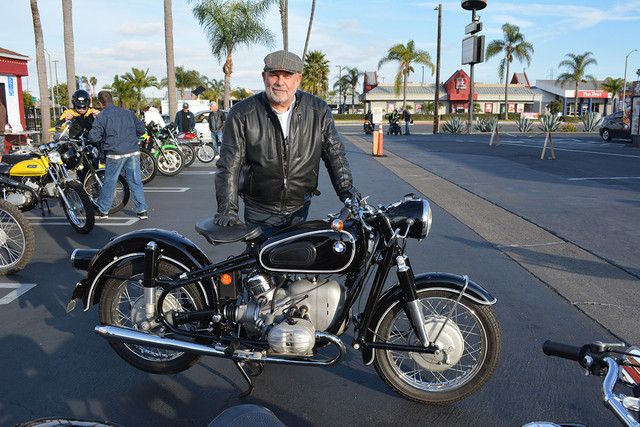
[
  {"x": 624, "y": 86},
  {"x": 436, "y": 106},
  {"x": 57, "y": 103},
  {"x": 340, "y": 94},
  {"x": 50, "y": 83}
]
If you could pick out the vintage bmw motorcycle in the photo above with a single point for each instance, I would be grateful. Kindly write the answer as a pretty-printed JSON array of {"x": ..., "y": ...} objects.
[{"x": 433, "y": 337}]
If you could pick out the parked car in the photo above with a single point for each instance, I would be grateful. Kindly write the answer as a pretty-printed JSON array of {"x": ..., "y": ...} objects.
[
  {"x": 202, "y": 124},
  {"x": 612, "y": 127}
]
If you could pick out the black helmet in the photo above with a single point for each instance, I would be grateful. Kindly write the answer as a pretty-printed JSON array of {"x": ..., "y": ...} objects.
[{"x": 80, "y": 99}]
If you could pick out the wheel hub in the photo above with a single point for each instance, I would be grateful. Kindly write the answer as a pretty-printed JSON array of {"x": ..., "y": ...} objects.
[
  {"x": 139, "y": 313},
  {"x": 449, "y": 344}
]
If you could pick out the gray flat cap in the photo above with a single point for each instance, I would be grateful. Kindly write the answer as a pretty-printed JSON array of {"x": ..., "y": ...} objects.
[{"x": 283, "y": 60}]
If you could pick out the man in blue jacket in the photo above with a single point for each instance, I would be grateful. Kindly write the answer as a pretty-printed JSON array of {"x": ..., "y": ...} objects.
[
  {"x": 118, "y": 131},
  {"x": 185, "y": 120}
]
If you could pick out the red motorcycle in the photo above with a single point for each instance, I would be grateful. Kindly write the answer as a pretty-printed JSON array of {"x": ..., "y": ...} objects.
[{"x": 203, "y": 150}]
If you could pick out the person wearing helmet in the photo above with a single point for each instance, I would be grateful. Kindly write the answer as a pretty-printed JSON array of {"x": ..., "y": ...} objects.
[{"x": 81, "y": 115}]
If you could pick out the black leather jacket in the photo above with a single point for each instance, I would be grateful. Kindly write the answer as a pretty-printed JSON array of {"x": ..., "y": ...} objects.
[{"x": 272, "y": 174}]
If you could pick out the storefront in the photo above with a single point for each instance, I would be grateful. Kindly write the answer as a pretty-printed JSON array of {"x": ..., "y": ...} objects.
[
  {"x": 13, "y": 66},
  {"x": 590, "y": 98}
]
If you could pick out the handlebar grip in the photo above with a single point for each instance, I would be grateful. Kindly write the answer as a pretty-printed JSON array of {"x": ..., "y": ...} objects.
[
  {"x": 565, "y": 351},
  {"x": 345, "y": 213}
]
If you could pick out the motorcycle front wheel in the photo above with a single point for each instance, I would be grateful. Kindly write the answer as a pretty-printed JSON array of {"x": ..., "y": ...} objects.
[
  {"x": 79, "y": 210},
  {"x": 93, "y": 186},
  {"x": 17, "y": 240},
  {"x": 170, "y": 161},
  {"x": 188, "y": 153},
  {"x": 468, "y": 336},
  {"x": 148, "y": 166},
  {"x": 206, "y": 153},
  {"x": 122, "y": 304}
]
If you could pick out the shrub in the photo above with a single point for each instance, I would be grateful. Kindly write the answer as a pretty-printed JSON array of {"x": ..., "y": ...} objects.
[
  {"x": 591, "y": 121},
  {"x": 569, "y": 128},
  {"x": 549, "y": 123},
  {"x": 486, "y": 124},
  {"x": 524, "y": 124},
  {"x": 454, "y": 125}
]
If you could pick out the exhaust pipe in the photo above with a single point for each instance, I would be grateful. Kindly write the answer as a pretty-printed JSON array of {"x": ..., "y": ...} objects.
[{"x": 132, "y": 336}]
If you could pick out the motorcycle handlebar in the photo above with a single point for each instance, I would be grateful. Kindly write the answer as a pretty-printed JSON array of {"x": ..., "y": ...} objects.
[
  {"x": 565, "y": 351},
  {"x": 345, "y": 213}
]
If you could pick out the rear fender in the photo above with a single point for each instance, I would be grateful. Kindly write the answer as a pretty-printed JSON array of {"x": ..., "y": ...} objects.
[
  {"x": 433, "y": 282},
  {"x": 174, "y": 248}
]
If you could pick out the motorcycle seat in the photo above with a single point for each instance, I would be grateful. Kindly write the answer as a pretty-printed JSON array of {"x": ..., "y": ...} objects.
[
  {"x": 217, "y": 235},
  {"x": 13, "y": 159},
  {"x": 5, "y": 168}
]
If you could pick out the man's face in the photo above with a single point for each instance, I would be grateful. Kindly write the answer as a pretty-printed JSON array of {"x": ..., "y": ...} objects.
[
  {"x": 280, "y": 87},
  {"x": 214, "y": 108}
]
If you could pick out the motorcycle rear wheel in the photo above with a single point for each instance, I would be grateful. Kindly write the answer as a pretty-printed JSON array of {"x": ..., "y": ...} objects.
[
  {"x": 170, "y": 161},
  {"x": 122, "y": 302},
  {"x": 93, "y": 186},
  {"x": 17, "y": 240},
  {"x": 206, "y": 153},
  {"x": 472, "y": 338},
  {"x": 80, "y": 211},
  {"x": 188, "y": 153},
  {"x": 148, "y": 166}
]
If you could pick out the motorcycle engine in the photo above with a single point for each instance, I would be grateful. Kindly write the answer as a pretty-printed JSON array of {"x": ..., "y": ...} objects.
[
  {"x": 50, "y": 190},
  {"x": 21, "y": 198},
  {"x": 287, "y": 315}
]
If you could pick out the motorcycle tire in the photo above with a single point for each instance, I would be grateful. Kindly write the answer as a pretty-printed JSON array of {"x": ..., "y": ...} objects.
[
  {"x": 123, "y": 300},
  {"x": 148, "y": 166},
  {"x": 188, "y": 153},
  {"x": 17, "y": 240},
  {"x": 473, "y": 333},
  {"x": 79, "y": 212},
  {"x": 93, "y": 186},
  {"x": 170, "y": 161},
  {"x": 206, "y": 153}
]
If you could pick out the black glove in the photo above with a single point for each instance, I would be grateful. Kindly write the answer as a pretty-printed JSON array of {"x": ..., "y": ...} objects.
[
  {"x": 352, "y": 194},
  {"x": 227, "y": 219}
]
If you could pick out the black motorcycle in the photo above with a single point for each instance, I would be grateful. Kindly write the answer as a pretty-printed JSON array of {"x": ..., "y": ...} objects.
[
  {"x": 433, "y": 337},
  {"x": 367, "y": 127},
  {"x": 394, "y": 127}
]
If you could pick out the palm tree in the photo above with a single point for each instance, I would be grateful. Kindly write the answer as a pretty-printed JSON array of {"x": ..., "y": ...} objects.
[
  {"x": 406, "y": 56},
  {"x": 42, "y": 72},
  {"x": 341, "y": 85},
  {"x": 214, "y": 88},
  {"x": 613, "y": 86},
  {"x": 577, "y": 65},
  {"x": 168, "y": 43},
  {"x": 284, "y": 19},
  {"x": 122, "y": 90},
  {"x": 69, "y": 54},
  {"x": 140, "y": 80},
  {"x": 93, "y": 81},
  {"x": 512, "y": 45},
  {"x": 241, "y": 93},
  {"x": 230, "y": 24},
  {"x": 315, "y": 74},
  {"x": 306, "y": 43},
  {"x": 352, "y": 76}
]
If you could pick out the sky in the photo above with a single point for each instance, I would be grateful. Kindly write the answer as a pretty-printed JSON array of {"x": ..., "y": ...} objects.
[{"x": 112, "y": 36}]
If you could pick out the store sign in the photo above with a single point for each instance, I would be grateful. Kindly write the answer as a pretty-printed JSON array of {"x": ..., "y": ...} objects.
[
  {"x": 512, "y": 108},
  {"x": 593, "y": 94},
  {"x": 461, "y": 83},
  {"x": 488, "y": 108},
  {"x": 11, "y": 91}
]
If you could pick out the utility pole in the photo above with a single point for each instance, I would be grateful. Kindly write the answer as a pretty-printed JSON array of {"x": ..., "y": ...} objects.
[
  {"x": 436, "y": 105},
  {"x": 57, "y": 103}
]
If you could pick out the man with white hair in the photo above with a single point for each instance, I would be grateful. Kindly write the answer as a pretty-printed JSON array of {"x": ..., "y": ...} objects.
[{"x": 216, "y": 122}]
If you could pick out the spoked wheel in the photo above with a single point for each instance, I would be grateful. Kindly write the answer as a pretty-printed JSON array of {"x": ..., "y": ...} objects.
[
  {"x": 206, "y": 153},
  {"x": 188, "y": 153},
  {"x": 93, "y": 186},
  {"x": 148, "y": 166},
  {"x": 79, "y": 210},
  {"x": 122, "y": 304},
  {"x": 469, "y": 340},
  {"x": 170, "y": 161},
  {"x": 16, "y": 239}
]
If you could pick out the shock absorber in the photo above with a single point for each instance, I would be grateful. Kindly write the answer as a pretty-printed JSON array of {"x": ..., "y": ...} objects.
[{"x": 151, "y": 254}]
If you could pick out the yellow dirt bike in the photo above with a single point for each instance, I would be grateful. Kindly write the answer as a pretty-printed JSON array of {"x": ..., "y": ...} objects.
[{"x": 38, "y": 175}]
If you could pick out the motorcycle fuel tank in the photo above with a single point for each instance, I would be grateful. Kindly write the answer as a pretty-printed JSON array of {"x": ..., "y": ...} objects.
[
  {"x": 32, "y": 167},
  {"x": 312, "y": 247}
]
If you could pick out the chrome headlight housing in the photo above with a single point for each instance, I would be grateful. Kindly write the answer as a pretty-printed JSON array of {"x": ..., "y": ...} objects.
[
  {"x": 54, "y": 157},
  {"x": 413, "y": 213}
]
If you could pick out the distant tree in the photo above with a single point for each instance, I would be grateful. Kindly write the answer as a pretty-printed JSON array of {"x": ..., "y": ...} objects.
[
  {"x": 576, "y": 72},
  {"x": 315, "y": 75},
  {"x": 27, "y": 99},
  {"x": 42, "y": 72},
  {"x": 428, "y": 107},
  {"x": 513, "y": 45},
  {"x": 184, "y": 79},
  {"x": 352, "y": 75},
  {"x": 122, "y": 90},
  {"x": 613, "y": 86},
  {"x": 406, "y": 56},
  {"x": 306, "y": 43},
  {"x": 555, "y": 106},
  {"x": 241, "y": 93},
  {"x": 69, "y": 54},
  {"x": 229, "y": 24},
  {"x": 93, "y": 81},
  {"x": 140, "y": 80},
  {"x": 341, "y": 85}
]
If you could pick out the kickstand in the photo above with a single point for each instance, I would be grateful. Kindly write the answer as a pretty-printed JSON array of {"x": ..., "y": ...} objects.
[
  {"x": 240, "y": 366},
  {"x": 42, "y": 203}
]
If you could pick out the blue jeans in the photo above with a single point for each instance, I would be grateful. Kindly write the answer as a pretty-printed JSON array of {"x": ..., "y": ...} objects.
[
  {"x": 406, "y": 127},
  {"x": 131, "y": 166},
  {"x": 270, "y": 222},
  {"x": 216, "y": 136}
]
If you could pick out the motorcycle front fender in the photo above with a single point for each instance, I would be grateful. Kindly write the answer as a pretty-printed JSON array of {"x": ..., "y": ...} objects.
[
  {"x": 174, "y": 248},
  {"x": 431, "y": 281},
  {"x": 164, "y": 147}
]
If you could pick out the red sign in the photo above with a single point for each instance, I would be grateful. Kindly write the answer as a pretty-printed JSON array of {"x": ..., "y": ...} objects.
[
  {"x": 593, "y": 94},
  {"x": 488, "y": 108},
  {"x": 461, "y": 83}
]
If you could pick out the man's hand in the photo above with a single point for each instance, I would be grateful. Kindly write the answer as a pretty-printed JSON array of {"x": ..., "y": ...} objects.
[
  {"x": 69, "y": 116},
  {"x": 353, "y": 194},
  {"x": 227, "y": 219}
]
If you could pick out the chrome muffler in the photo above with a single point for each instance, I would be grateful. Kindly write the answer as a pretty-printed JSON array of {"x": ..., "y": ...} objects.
[{"x": 132, "y": 336}]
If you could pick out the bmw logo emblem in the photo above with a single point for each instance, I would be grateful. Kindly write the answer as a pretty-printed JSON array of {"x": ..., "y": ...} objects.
[{"x": 338, "y": 247}]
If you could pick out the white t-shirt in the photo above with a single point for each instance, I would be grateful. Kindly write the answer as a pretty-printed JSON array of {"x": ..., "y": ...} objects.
[{"x": 285, "y": 118}]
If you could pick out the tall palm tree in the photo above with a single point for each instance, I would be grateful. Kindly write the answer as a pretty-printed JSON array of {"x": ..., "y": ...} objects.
[
  {"x": 315, "y": 74},
  {"x": 306, "y": 43},
  {"x": 140, "y": 80},
  {"x": 352, "y": 76},
  {"x": 577, "y": 65},
  {"x": 341, "y": 85},
  {"x": 613, "y": 86},
  {"x": 230, "y": 24},
  {"x": 93, "y": 81},
  {"x": 42, "y": 72},
  {"x": 69, "y": 54},
  {"x": 406, "y": 56},
  {"x": 284, "y": 19},
  {"x": 513, "y": 44},
  {"x": 168, "y": 43},
  {"x": 214, "y": 88}
]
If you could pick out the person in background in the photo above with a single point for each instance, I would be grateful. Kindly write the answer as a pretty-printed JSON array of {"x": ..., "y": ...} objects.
[
  {"x": 273, "y": 143},
  {"x": 118, "y": 129},
  {"x": 81, "y": 115},
  {"x": 406, "y": 116},
  {"x": 153, "y": 115},
  {"x": 185, "y": 120},
  {"x": 216, "y": 123},
  {"x": 3, "y": 123}
]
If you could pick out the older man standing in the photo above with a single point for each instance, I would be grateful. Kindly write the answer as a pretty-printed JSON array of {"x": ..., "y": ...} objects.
[
  {"x": 273, "y": 143},
  {"x": 216, "y": 122}
]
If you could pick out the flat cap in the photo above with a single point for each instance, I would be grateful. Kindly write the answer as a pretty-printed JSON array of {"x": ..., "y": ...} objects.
[{"x": 283, "y": 60}]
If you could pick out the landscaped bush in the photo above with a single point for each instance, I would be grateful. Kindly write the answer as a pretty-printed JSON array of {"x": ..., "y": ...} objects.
[
  {"x": 486, "y": 124},
  {"x": 524, "y": 124},
  {"x": 549, "y": 123},
  {"x": 591, "y": 121},
  {"x": 569, "y": 128},
  {"x": 454, "y": 125}
]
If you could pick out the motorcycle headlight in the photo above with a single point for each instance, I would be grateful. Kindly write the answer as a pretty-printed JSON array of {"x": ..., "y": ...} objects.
[{"x": 54, "y": 157}]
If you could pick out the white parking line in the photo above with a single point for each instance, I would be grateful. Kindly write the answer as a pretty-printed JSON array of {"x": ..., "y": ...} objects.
[
  {"x": 193, "y": 172},
  {"x": 595, "y": 178},
  {"x": 18, "y": 289},
  {"x": 52, "y": 220},
  {"x": 166, "y": 189}
]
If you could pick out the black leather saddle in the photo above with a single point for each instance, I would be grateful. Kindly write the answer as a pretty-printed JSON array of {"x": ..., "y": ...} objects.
[{"x": 217, "y": 235}]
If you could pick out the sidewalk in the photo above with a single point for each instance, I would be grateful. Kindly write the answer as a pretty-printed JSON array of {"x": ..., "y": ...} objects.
[{"x": 603, "y": 291}]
